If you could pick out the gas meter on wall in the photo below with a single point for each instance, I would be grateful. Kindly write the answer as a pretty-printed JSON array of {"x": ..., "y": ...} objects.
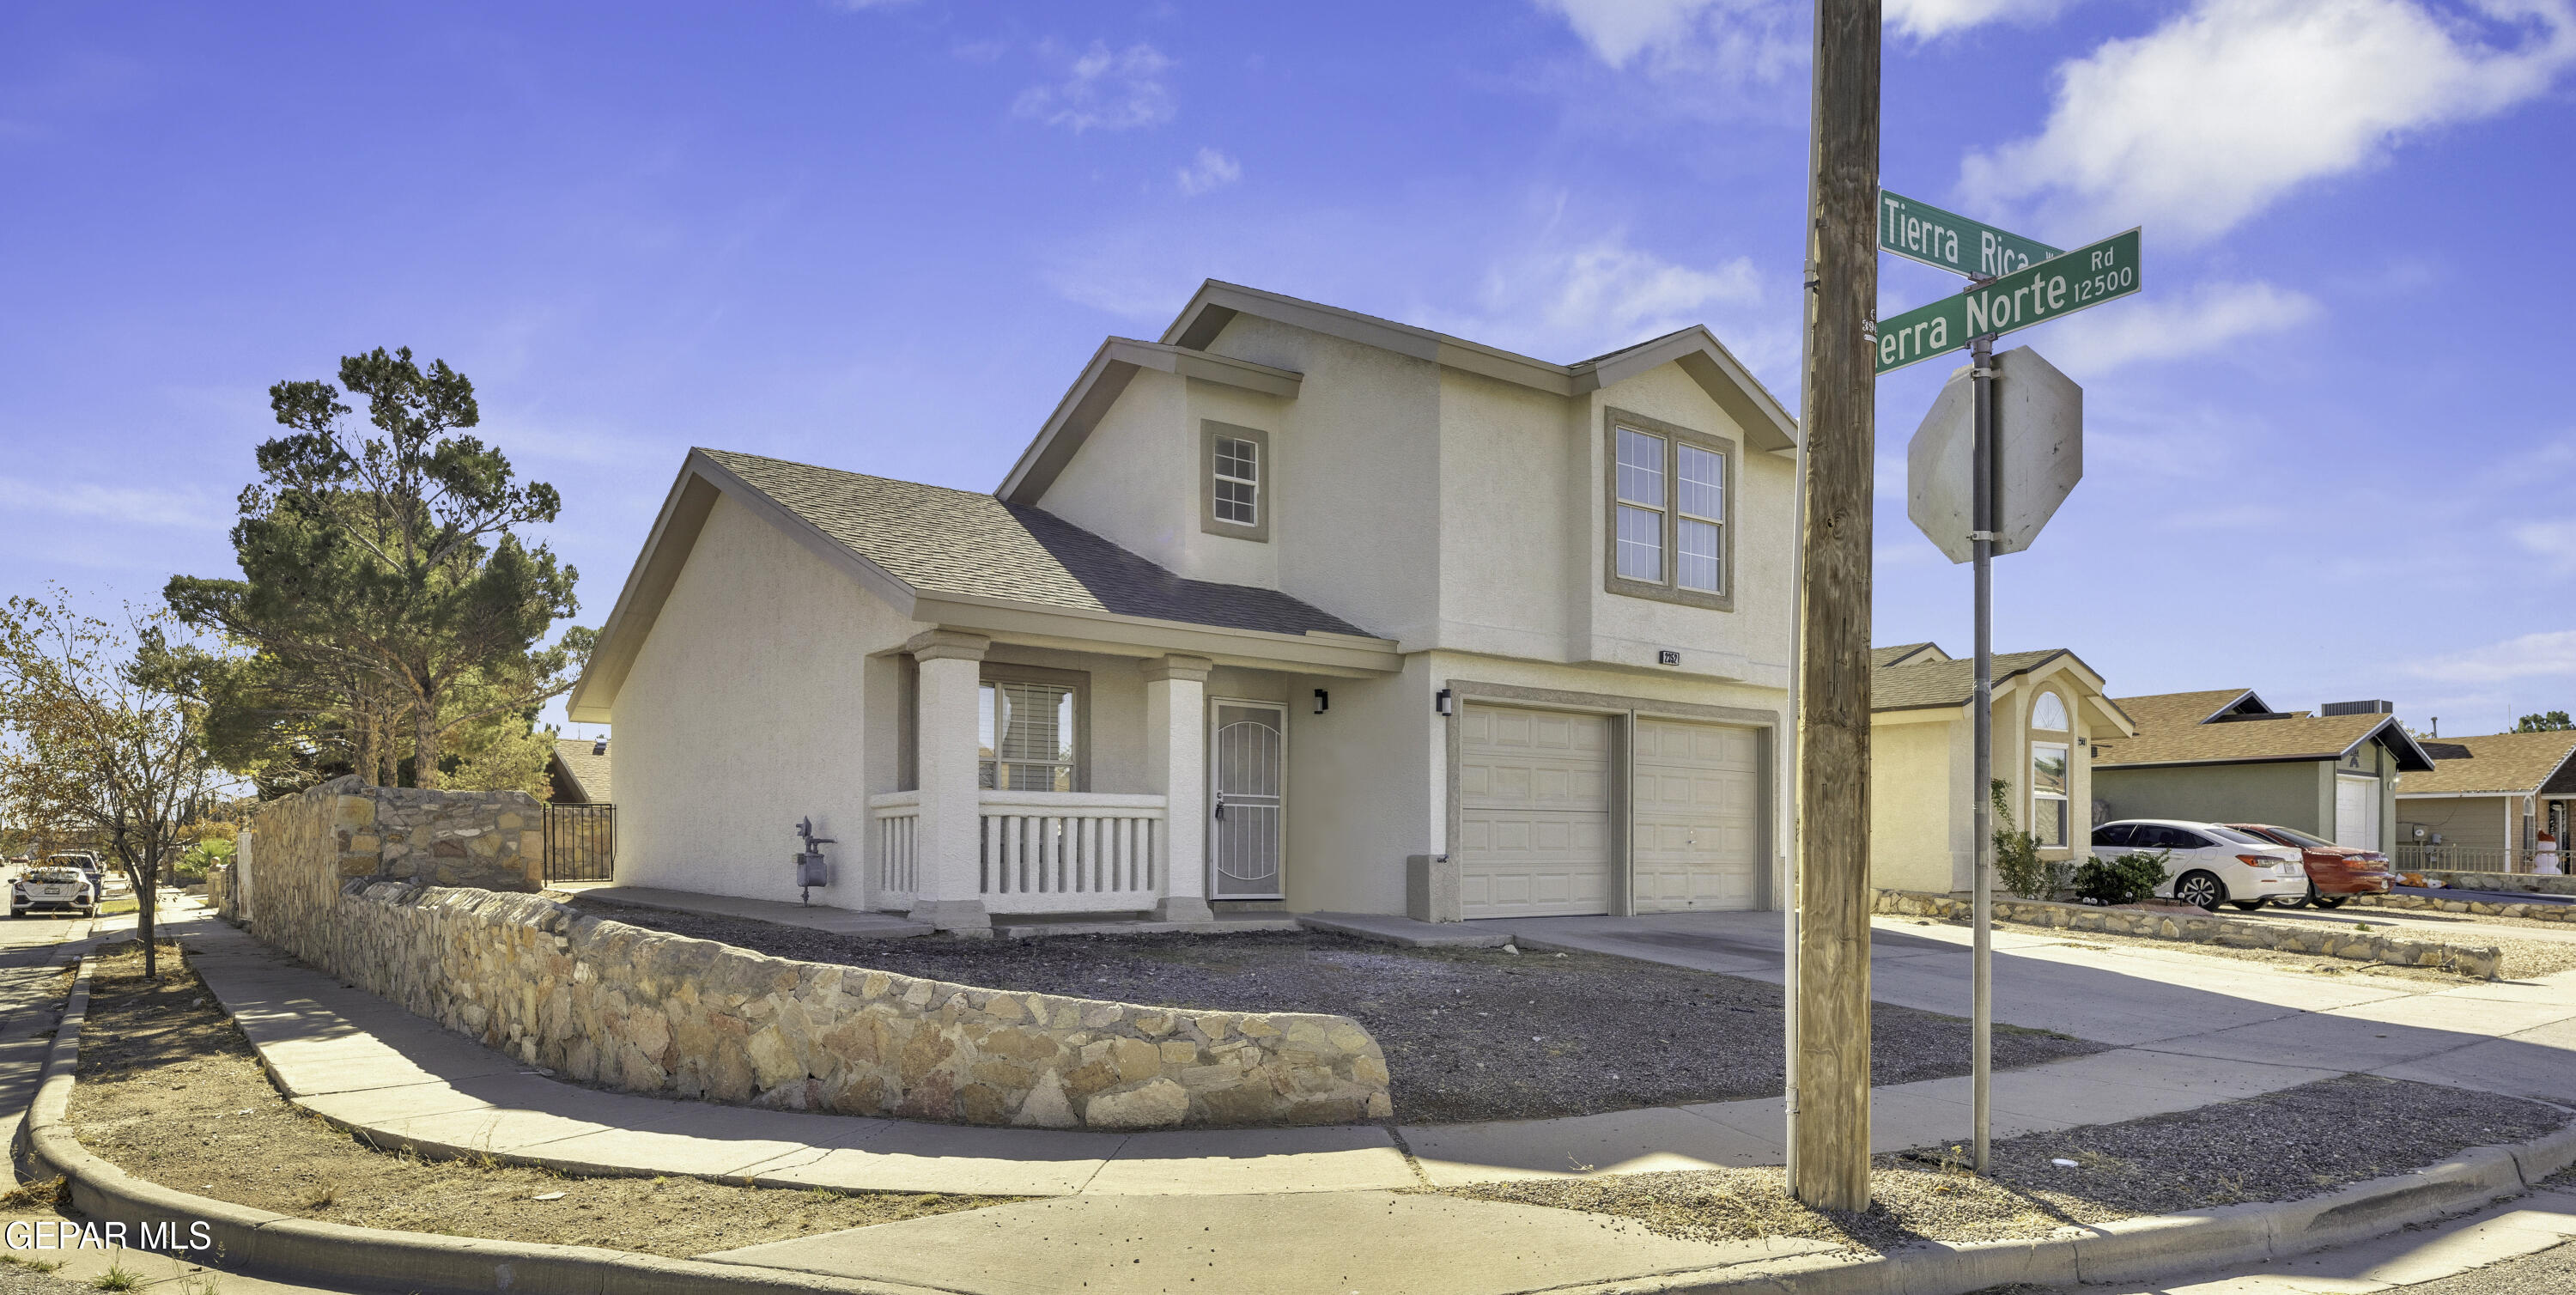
[{"x": 811, "y": 870}]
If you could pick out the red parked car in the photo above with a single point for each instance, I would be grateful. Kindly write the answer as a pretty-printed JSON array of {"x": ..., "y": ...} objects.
[{"x": 2335, "y": 872}]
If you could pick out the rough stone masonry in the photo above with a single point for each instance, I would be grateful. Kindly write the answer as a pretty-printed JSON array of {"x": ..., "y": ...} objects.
[{"x": 650, "y": 1012}]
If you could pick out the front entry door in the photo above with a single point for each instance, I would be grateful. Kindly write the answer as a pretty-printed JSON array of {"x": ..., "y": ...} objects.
[{"x": 1249, "y": 781}]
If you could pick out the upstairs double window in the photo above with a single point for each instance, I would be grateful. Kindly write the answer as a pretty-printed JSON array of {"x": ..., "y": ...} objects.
[{"x": 1668, "y": 502}]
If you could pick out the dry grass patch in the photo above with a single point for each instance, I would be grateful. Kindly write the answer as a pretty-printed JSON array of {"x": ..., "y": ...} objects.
[{"x": 170, "y": 1091}]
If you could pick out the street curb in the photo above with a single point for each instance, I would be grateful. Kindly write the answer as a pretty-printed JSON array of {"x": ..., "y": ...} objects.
[
  {"x": 2151, "y": 1248},
  {"x": 258, "y": 1240}
]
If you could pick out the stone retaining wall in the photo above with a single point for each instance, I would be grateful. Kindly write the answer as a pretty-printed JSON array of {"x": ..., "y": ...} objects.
[
  {"x": 2481, "y": 907},
  {"x": 397, "y": 891},
  {"x": 306, "y": 847},
  {"x": 2197, "y": 927},
  {"x": 650, "y": 1012},
  {"x": 2525, "y": 883}
]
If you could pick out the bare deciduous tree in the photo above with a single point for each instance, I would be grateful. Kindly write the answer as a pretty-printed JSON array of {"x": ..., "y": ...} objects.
[{"x": 92, "y": 741}]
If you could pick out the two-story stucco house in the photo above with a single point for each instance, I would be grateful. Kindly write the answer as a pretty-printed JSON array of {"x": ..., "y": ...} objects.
[{"x": 1293, "y": 608}]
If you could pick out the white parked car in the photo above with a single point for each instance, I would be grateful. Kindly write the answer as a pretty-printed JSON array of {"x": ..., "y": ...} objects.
[
  {"x": 2210, "y": 863},
  {"x": 51, "y": 887}
]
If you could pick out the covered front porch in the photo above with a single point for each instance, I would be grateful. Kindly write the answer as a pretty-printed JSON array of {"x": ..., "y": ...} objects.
[{"x": 1053, "y": 783}]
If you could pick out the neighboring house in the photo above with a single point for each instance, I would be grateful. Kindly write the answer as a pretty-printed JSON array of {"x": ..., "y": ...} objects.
[
  {"x": 579, "y": 771},
  {"x": 2225, "y": 756},
  {"x": 2048, "y": 712},
  {"x": 2487, "y": 799},
  {"x": 1294, "y": 607}
]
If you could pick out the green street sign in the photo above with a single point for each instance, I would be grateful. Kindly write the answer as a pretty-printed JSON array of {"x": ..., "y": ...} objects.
[
  {"x": 2079, "y": 280},
  {"x": 1919, "y": 231}
]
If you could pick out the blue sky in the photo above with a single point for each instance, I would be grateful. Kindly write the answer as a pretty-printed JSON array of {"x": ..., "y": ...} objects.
[{"x": 2330, "y": 454}]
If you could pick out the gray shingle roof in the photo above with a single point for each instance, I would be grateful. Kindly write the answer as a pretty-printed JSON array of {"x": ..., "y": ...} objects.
[
  {"x": 589, "y": 772},
  {"x": 943, "y": 541}
]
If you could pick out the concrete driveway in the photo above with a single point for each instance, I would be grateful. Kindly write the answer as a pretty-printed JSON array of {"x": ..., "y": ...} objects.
[{"x": 2507, "y": 1036}]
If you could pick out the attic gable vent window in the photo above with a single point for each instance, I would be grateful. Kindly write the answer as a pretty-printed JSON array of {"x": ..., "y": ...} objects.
[
  {"x": 1668, "y": 498},
  {"x": 1233, "y": 461}
]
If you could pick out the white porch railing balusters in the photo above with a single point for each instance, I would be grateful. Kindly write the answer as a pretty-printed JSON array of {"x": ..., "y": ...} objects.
[
  {"x": 1042, "y": 851},
  {"x": 898, "y": 848}
]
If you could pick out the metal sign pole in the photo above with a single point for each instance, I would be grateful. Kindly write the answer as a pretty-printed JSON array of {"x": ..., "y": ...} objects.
[{"x": 1982, "y": 538}]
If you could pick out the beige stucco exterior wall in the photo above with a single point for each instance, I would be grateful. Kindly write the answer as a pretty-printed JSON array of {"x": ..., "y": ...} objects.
[
  {"x": 1919, "y": 825},
  {"x": 1363, "y": 790},
  {"x": 757, "y": 667},
  {"x": 2476, "y": 821},
  {"x": 1749, "y": 644},
  {"x": 1923, "y": 789},
  {"x": 1357, "y": 455}
]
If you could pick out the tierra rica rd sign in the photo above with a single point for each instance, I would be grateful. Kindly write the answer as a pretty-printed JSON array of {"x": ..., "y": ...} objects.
[
  {"x": 1945, "y": 240},
  {"x": 2078, "y": 280}
]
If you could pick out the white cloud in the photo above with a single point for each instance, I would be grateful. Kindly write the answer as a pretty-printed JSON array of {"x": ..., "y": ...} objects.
[
  {"x": 120, "y": 506},
  {"x": 1755, "y": 40},
  {"x": 1567, "y": 302},
  {"x": 2209, "y": 119},
  {"x": 1209, "y": 170},
  {"x": 2530, "y": 656},
  {"x": 2554, "y": 541},
  {"x": 2150, "y": 327},
  {"x": 1926, "y": 19},
  {"x": 1619, "y": 30},
  {"x": 1104, "y": 90}
]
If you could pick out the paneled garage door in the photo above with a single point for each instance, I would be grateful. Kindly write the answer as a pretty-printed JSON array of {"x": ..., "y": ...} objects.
[
  {"x": 1533, "y": 813},
  {"x": 1698, "y": 817}
]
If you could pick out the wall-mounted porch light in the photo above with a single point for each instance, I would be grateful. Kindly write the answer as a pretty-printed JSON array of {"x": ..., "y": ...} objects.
[
  {"x": 1444, "y": 703},
  {"x": 1323, "y": 701}
]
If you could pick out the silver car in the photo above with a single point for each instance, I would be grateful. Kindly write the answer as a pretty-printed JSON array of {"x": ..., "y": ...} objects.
[{"x": 2209, "y": 863}]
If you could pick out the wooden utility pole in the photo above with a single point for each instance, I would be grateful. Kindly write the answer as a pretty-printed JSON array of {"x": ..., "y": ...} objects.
[{"x": 1840, "y": 415}]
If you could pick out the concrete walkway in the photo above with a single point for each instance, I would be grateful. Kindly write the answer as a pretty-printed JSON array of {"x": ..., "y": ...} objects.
[{"x": 370, "y": 1065}]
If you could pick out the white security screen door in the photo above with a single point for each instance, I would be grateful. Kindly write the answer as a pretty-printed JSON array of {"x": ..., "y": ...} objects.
[{"x": 1250, "y": 777}]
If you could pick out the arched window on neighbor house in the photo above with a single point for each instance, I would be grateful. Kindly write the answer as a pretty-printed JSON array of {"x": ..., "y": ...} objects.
[{"x": 2049, "y": 781}]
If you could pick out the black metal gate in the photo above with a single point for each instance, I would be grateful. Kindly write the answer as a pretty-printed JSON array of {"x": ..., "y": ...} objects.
[{"x": 581, "y": 842}]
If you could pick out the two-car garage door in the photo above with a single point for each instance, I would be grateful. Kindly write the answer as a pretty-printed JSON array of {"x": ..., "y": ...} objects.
[{"x": 1537, "y": 802}]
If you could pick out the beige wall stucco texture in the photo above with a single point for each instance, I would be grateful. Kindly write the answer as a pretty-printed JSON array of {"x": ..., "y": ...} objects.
[{"x": 755, "y": 668}]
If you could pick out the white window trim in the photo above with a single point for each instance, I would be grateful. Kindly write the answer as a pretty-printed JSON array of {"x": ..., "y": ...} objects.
[{"x": 2066, "y": 751}]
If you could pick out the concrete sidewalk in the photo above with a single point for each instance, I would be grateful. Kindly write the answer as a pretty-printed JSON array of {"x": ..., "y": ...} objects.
[{"x": 371, "y": 1066}]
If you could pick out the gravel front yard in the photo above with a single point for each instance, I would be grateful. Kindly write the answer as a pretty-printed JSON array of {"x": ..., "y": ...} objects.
[
  {"x": 171, "y": 1092},
  {"x": 2296, "y": 1143},
  {"x": 1469, "y": 1034}
]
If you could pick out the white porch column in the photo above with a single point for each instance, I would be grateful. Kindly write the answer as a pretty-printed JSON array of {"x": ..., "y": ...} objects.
[
  {"x": 949, "y": 894},
  {"x": 1176, "y": 766}
]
